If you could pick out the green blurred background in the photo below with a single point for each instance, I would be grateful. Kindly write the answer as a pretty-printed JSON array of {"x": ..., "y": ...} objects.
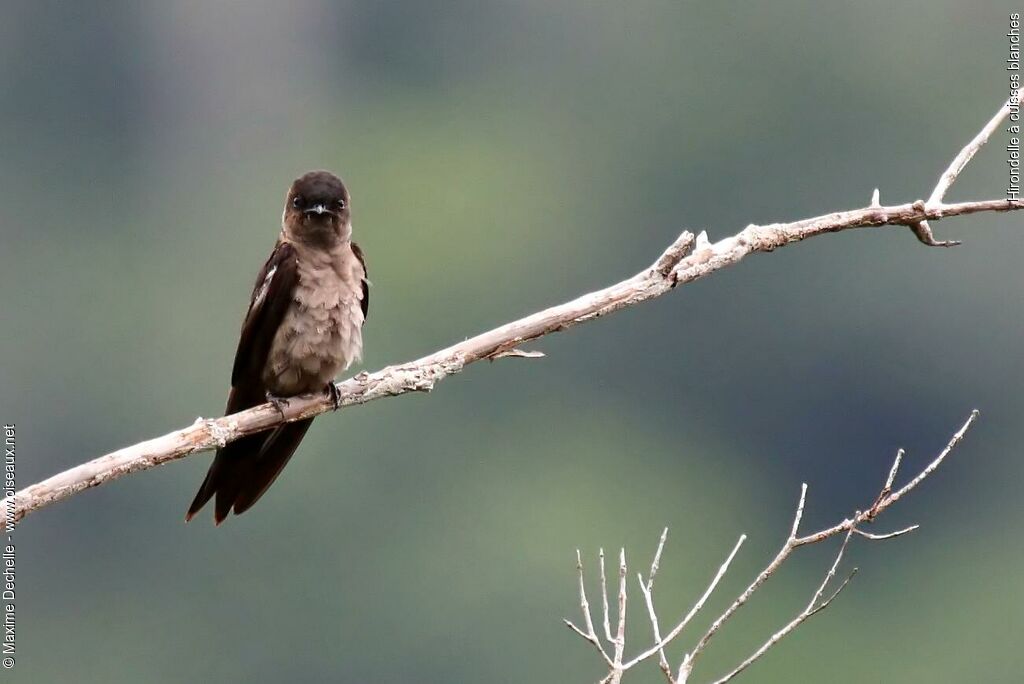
[{"x": 505, "y": 156}]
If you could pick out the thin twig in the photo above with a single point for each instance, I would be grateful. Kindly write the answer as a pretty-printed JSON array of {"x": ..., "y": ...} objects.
[
  {"x": 722, "y": 569},
  {"x": 647, "y": 590},
  {"x": 883, "y": 502},
  {"x": 961, "y": 160},
  {"x": 887, "y": 535},
  {"x": 620, "y": 632},
  {"x": 657, "y": 559},
  {"x": 652, "y": 614},
  {"x": 604, "y": 601},
  {"x": 887, "y": 488},
  {"x": 813, "y": 607},
  {"x": 924, "y": 234},
  {"x": 921, "y": 229},
  {"x": 589, "y": 635},
  {"x": 690, "y": 660},
  {"x": 931, "y": 467}
]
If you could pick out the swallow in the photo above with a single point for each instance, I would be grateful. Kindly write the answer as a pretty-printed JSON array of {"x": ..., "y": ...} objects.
[{"x": 303, "y": 327}]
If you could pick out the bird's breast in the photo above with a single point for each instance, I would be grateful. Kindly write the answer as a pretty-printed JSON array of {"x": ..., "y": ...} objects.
[{"x": 321, "y": 333}]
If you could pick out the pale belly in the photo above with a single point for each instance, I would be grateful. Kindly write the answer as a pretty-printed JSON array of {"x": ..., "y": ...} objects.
[{"x": 314, "y": 343}]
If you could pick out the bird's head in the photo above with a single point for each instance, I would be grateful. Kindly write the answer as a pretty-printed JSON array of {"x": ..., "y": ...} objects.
[{"x": 316, "y": 210}]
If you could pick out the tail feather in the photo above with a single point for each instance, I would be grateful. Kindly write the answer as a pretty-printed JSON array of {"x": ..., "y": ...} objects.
[
  {"x": 243, "y": 470},
  {"x": 272, "y": 459}
]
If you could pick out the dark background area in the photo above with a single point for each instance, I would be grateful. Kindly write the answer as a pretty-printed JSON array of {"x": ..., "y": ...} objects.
[{"x": 505, "y": 156}]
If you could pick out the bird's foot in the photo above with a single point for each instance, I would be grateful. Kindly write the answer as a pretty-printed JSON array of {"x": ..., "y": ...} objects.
[
  {"x": 280, "y": 403},
  {"x": 335, "y": 395}
]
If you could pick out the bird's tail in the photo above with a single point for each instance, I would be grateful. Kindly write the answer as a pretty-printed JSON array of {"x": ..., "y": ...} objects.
[{"x": 244, "y": 469}]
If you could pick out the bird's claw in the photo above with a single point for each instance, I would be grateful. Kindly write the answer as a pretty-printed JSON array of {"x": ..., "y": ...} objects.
[
  {"x": 280, "y": 403},
  {"x": 335, "y": 395}
]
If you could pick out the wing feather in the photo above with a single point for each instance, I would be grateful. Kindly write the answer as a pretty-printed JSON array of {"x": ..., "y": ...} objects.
[
  {"x": 240, "y": 468},
  {"x": 365, "y": 302},
  {"x": 271, "y": 296}
]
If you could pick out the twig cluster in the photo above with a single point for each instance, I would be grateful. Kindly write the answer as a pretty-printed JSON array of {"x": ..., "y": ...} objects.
[{"x": 615, "y": 662}]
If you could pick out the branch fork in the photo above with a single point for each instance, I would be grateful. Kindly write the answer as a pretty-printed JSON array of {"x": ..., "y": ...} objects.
[{"x": 921, "y": 228}]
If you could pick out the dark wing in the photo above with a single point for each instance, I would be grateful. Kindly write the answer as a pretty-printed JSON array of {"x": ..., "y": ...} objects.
[
  {"x": 366, "y": 280},
  {"x": 234, "y": 473},
  {"x": 261, "y": 470},
  {"x": 271, "y": 297}
]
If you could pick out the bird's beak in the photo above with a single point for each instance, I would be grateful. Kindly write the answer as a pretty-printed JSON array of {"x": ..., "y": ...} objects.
[{"x": 319, "y": 210}]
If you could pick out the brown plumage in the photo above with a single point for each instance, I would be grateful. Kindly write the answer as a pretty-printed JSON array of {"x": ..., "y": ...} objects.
[{"x": 303, "y": 327}]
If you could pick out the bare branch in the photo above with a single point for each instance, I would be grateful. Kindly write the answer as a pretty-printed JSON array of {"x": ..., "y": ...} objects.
[
  {"x": 812, "y": 608},
  {"x": 421, "y": 375},
  {"x": 589, "y": 635},
  {"x": 921, "y": 228},
  {"x": 695, "y": 609},
  {"x": 620, "y": 633},
  {"x": 655, "y": 628},
  {"x": 886, "y": 500},
  {"x": 931, "y": 467},
  {"x": 657, "y": 559},
  {"x": 688, "y": 662},
  {"x": 847, "y": 527},
  {"x": 647, "y": 590},
  {"x": 893, "y": 472},
  {"x": 888, "y": 535},
  {"x": 958, "y": 164},
  {"x": 517, "y": 354},
  {"x": 604, "y": 601},
  {"x": 685, "y": 260},
  {"x": 923, "y": 232},
  {"x": 799, "y": 511},
  {"x": 796, "y": 622}
]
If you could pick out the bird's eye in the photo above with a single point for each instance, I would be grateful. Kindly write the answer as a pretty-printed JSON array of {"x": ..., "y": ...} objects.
[
  {"x": 296, "y": 201},
  {"x": 341, "y": 204}
]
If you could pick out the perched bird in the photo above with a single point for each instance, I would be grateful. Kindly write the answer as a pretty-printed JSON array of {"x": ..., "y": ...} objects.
[{"x": 303, "y": 327}]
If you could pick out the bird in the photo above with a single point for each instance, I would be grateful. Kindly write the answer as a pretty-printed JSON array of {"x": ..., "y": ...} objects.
[{"x": 303, "y": 327}]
